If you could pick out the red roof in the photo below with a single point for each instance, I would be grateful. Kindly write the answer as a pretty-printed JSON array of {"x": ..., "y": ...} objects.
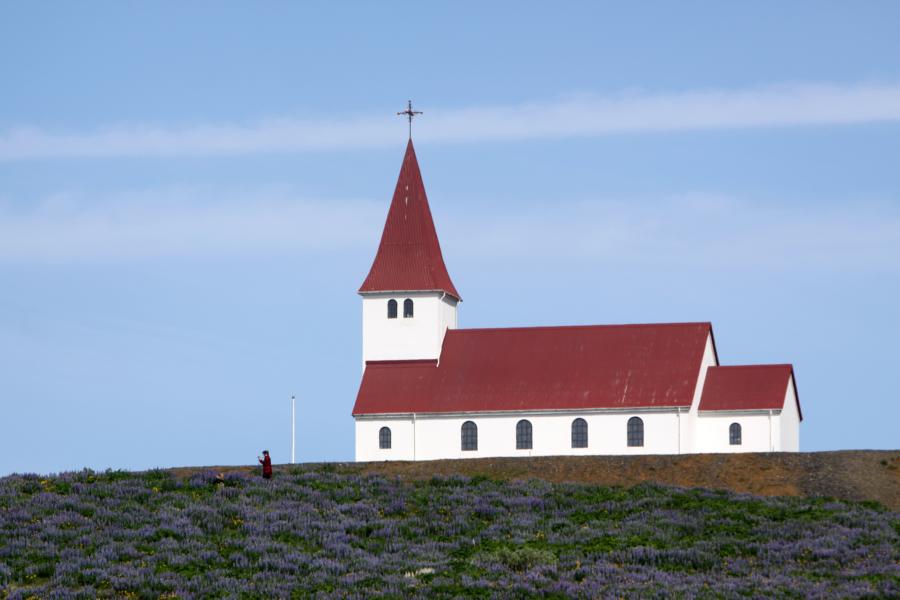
[
  {"x": 543, "y": 368},
  {"x": 409, "y": 255},
  {"x": 749, "y": 387}
]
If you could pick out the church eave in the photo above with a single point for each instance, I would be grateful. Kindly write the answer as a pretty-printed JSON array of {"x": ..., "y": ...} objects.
[
  {"x": 365, "y": 293},
  {"x": 531, "y": 412}
]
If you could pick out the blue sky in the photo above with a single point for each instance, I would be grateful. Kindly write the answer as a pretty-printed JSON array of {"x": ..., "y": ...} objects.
[{"x": 191, "y": 193}]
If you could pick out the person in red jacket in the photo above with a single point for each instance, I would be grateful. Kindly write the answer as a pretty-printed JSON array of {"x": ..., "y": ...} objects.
[{"x": 266, "y": 463}]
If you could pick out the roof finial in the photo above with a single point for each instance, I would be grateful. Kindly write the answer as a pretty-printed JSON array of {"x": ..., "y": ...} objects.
[{"x": 410, "y": 113}]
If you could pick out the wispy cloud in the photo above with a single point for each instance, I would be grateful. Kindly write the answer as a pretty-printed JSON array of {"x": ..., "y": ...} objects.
[
  {"x": 686, "y": 231},
  {"x": 182, "y": 222},
  {"x": 585, "y": 116}
]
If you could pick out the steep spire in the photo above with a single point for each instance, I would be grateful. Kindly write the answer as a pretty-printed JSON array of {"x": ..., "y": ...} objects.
[{"x": 409, "y": 255}]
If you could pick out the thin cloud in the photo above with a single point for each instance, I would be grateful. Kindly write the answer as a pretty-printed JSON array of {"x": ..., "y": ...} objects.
[
  {"x": 182, "y": 223},
  {"x": 582, "y": 116},
  {"x": 701, "y": 230},
  {"x": 693, "y": 230}
]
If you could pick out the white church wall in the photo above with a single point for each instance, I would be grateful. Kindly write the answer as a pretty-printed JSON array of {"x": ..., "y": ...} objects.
[
  {"x": 712, "y": 431},
  {"x": 790, "y": 421},
  {"x": 419, "y": 337},
  {"x": 439, "y": 436},
  {"x": 367, "y": 447},
  {"x": 761, "y": 431},
  {"x": 689, "y": 421}
]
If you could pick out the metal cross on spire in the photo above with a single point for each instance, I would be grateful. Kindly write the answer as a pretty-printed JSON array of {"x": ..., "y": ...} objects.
[{"x": 410, "y": 113}]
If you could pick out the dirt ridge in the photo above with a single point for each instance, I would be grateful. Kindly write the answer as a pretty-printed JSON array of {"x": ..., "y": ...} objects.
[{"x": 856, "y": 475}]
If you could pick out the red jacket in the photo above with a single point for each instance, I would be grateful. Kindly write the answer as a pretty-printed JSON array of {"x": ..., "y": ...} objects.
[{"x": 266, "y": 462}]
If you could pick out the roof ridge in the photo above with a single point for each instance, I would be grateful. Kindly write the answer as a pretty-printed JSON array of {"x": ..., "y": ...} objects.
[
  {"x": 610, "y": 325},
  {"x": 410, "y": 361},
  {"x": 756, "y": 366}
]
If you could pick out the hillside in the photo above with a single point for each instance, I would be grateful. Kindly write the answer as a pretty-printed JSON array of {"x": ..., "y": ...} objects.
[
  {"x": 348, "y": 531},
  {"x": 860, "y": 475},
  {"x": 849, "y": 475}
]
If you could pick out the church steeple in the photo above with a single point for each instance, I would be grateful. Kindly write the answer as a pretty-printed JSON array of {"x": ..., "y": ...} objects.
[
  {"x": 409, "y": 256},
  {"x": 408, "y": 272}
]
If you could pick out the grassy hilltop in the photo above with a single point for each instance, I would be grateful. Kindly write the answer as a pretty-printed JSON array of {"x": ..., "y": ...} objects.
[{"x": 333, "y": 531}]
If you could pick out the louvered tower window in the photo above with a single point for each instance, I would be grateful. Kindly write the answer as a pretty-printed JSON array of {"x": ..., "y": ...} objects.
[
  {"x": 392, "y": 309},
  {"x": 407, "y": 309}
]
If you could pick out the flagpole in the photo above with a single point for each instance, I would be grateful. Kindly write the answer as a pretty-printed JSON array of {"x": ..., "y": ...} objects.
[{"x": 293, "y": 427}]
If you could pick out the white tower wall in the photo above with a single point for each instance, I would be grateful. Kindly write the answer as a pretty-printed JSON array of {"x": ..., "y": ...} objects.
[{"x": 414, "y": 338}]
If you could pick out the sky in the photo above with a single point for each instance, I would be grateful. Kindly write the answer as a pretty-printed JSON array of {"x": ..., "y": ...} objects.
[{"x": 192, "y": 192}]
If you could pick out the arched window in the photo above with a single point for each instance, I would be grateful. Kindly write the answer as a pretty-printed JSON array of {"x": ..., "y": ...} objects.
[
  {"x": 734, "y": 434},
  {"x": 469, "y": 436},
  {"x": 384, "y": 438},
  {"x": 392, "y": 309},
  {"x": 579, "y": 433},
  {"x": 523, "y": 435},
  {"x": 635, "y": 432},
  {"x": 407, "y": 309}
]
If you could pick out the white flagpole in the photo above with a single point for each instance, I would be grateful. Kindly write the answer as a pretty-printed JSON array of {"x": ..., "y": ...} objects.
[{"x": 293, "y": 427}]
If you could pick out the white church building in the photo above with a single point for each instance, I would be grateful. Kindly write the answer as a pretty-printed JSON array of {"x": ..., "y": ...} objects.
[{"x": 431, "y": 390}]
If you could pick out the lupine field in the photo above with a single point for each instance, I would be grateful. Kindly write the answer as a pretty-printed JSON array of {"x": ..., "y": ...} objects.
[{"x": 320, "y": 531}]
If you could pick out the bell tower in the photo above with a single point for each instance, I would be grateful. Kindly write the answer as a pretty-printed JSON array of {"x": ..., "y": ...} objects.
[{"x": 408, "y": 299}]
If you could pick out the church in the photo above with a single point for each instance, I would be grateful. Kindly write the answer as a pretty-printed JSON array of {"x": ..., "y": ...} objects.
[{"x": 431, "y": 390}]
